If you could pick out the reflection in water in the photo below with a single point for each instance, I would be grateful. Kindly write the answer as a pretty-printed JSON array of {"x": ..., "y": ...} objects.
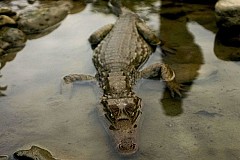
[
  {"x": 2, "y": 88},
  {"x": 188, "y": 58},
  {"x": 133, "y": 5},
  {"x": 226, "y": 53},
  {"x": 188, "y": 55},
  {"x": 37, "y": 19},
  {"x": 3, "y": 60}
]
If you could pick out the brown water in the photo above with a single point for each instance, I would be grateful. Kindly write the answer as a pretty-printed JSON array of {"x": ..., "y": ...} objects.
[{"x": 203, "y": 125}]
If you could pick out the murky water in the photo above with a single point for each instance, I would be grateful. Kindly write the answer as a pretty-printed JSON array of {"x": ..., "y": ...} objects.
[{"x": 202, "y": 125}]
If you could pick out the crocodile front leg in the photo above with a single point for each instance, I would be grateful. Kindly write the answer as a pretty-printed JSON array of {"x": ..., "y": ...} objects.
[
  {"x": 148, "y": 34},
  {"x": 97, "y": 36},
  {"x": 152, "y": 39},
  {"x": 166, "y": 73},
  {"x": 77, "y": 77},
  {"x": 71, "y": 78}
]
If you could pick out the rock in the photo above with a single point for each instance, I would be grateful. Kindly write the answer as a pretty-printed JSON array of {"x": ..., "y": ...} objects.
[
  {"x": 77, "y": 6},
  {"x": 7, "y": 11},
  {"x": 37, "y": 21},
  {"x": 228, "y": 21},
  {"x": 35, "y": 153},
  {"x": 12, "y": 38},
  {"x": 2, "y": 52},
  {"x": 31, "y": 1},
  {"x": 7, "y": 57},
  {"x": 228, "y": 13},
  {"x": 198, "y": 1},
  {"x": 5, "y": 20},
  {"x": 4, "y": 45}
]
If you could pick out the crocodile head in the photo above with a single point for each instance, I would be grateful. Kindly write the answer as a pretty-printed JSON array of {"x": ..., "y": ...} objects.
[{"x": 122, "y": 115}]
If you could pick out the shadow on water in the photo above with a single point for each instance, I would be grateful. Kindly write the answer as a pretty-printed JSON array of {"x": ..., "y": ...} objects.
[
  {"x": 187, "y": 59},
  {"x": 226, "y": 52}
]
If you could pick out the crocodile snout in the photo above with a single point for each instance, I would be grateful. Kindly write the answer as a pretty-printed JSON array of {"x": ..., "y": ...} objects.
[{"x": 127, "y": 146}]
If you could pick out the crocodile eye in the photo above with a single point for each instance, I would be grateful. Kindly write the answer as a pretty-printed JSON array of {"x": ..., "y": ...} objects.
[
  {"x": 114, "y": 110},
  {"x": 130, "y": 107},
  {"x": 130, "y": 110},
  {"x": 133, "y": 114},
  {"x": 111, "y": 115}
]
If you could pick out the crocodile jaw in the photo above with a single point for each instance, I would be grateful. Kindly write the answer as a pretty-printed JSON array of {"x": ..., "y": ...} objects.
[
  {"x": 125, "y": 136},
  {"x": 121, "y": 117}
]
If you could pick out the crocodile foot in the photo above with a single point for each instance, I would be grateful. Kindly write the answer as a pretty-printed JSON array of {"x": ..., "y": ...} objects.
[
  {"x": 175, "y": 88},
  {"x": 165, "y": 72},
  {"x": 77, "y": 77}
]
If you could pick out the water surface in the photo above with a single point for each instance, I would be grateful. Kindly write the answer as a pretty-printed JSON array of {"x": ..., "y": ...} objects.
[{"x": 202, "y": 125}]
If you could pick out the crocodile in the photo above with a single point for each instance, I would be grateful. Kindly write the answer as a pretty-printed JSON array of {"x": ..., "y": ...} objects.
[{"x": 119, "y": 52}]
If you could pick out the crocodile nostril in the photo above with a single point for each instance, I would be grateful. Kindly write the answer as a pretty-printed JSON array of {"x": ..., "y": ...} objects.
[{"x": 129, "y": 147}]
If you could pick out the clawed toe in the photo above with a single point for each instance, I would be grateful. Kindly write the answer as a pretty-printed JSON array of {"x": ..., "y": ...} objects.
[
  {"x": 174, "y": 92},
  {"x": 67, "y": 79},
  {"x": 71, "y": 78},
  {"x": 176, "y": 89}
]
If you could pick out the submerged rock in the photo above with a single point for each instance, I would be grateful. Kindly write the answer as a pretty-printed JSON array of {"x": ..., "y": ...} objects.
[
  {"x": 12, "y": 38},
  {"x": 4, "y": 45},
  {"x": 34, "y": 153},
  {"x": 2, "y": 88}
]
